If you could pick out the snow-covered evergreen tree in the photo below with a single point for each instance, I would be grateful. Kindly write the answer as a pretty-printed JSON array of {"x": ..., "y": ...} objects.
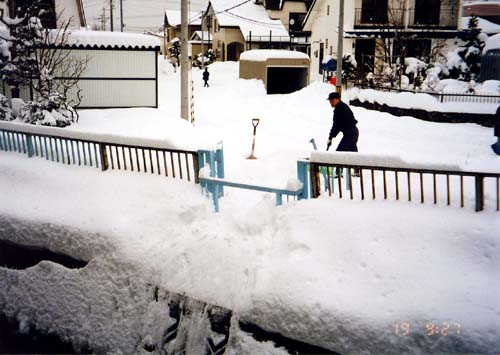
[
  {"x": 21, "y": 36},
  {"x": 472, "y": 50},
  {"x": 349, "y": 66},
  {"x": 34, "y": 58}
]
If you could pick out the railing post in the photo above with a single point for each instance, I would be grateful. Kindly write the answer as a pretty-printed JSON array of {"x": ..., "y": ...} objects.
[
  {"x": 279, "y": 198},
  {"x": 303, "y": 178},
  {"x": 347, "y": 179},
  {"x": 219, "y": 158},
  {"x": 29, "y": 144},
  {"x": 104, "y": 156},
  {"x": 196, "y": 167},
  {"x": 215, "y": 195},
  {"x": 1, "y": 141},
  {"x": 201, "y": 165},
  {"x": 479, "y": 179},
  {"x": 315, "y": 180}
]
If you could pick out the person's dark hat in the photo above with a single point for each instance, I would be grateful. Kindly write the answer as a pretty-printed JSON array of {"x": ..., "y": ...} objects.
[{"x": 333, "y": 95}]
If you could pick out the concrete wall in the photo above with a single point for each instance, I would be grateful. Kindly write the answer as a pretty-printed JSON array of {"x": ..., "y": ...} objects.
[{"x": 258, "y": 69}]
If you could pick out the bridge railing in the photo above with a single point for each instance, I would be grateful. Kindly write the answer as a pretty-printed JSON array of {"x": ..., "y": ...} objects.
[
  {"x": 393, "y": 178},
  {"x": 99, "y": 151}
]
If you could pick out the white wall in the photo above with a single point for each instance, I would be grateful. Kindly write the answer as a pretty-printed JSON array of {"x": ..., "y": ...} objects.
[
  {"x": 118, "y": 64},
  {"x": 324, "y": 27}
]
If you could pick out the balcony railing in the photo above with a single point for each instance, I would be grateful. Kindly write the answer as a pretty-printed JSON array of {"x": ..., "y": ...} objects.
[
  {"x": 370, "y": 17},
  {"x": 446, "y": 17}
]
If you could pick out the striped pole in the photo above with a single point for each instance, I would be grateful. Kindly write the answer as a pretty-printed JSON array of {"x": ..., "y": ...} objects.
[{"x": 192, "y": 102}]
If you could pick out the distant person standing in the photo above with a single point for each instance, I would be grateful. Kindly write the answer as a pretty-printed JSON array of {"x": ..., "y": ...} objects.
[
  {"x": 496, "y": 132},
  {"x": 343, "y": 121},
  {"x": 206, "y": 75}
]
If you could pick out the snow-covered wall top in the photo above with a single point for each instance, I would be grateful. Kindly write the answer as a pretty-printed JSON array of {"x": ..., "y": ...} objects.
[
  {"x": 105, "y": 39},
  {"x": 261, "y": 55},
  {"x": 492, "y": 43},
  {"x": 387, "y": 161}
]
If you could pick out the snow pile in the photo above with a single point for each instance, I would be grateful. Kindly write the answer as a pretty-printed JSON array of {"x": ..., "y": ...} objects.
[
  {"x": 485, "y": 25},
  {"x": 414, "y": 65},
  {"x": 335, "y": 273},
  {"x": 492, "y": 42},
  {"x": 488, "y": 87},
  {"x": 425, "y": 101}
]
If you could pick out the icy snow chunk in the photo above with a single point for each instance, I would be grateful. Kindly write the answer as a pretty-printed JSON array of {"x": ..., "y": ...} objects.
[{"x": 294, "y": 185}]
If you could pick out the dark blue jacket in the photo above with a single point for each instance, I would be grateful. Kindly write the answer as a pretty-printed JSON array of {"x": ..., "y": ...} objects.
[{"x": 343, "y": 120}]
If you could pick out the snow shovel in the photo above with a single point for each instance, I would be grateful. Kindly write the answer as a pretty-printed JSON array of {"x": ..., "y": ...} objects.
[{"x": 255, "y": 123}]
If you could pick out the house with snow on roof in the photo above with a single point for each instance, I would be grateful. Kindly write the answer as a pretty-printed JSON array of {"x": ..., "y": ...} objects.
[
  {"x": 292, "y": 14},
  {"x": 172, "y": 25},
  {"x": 235, "y": 27},
  {"x": 371, "y": 25}
]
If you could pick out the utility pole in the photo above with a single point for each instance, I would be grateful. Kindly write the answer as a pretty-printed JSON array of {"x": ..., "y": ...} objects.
[
  {"x": 340, "y": 47},
  {"x": 102, "y": 19},
  {"x": 121, "y": 15},
  {"x": 164, "y": 37},
  {"x": 111, "y": 14},
  {"x": 202, "y": 40},
  {"x": 184, "y": 62}
]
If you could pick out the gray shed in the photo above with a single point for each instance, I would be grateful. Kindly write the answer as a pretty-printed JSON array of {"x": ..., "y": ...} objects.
[{"x": 282, "y": 71}]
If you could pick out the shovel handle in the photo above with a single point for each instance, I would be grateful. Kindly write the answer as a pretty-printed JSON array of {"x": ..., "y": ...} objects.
[{"x": 255, "y": 122}]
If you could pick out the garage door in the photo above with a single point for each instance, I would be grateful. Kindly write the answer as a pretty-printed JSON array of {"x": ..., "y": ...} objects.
[{"x": 284, "y": 80}]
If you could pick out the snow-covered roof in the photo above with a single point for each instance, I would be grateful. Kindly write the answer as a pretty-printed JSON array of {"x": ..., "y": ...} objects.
[
  {"x": 492, "y": 43},
  {"x": 174, "y": 17},
  {"x": 105, "y": 39},
  {"x": 251, "y": 18},
  {"x": 261, "y": 55},
  {"x": 485, "y": 25},
  {"x": 198, "y": 35}
]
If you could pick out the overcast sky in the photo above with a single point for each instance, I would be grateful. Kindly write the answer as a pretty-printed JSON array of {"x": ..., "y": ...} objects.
[{"x": 139, "y": 15}]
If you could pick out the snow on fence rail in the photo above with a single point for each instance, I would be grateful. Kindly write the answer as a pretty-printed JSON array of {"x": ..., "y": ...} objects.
[
  {"x": 439, "y": 183},
  {"x": 104, "y": 151},
  {"x": 484, "y": 98}
]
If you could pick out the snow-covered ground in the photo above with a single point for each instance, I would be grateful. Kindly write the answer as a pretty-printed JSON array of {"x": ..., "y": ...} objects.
[{"x": 350, "y": 276}]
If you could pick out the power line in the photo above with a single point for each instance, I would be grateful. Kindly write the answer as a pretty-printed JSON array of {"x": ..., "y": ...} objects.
[{"x": 267, "y": 24}]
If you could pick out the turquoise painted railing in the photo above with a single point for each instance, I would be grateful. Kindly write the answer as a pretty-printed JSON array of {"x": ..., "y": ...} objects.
[{"x": 103, "y": 155}]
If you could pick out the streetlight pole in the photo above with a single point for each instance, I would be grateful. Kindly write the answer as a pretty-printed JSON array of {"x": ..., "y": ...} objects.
[
  {"x": 184, "y": 62},
  {"x": 340, "y": 47}
]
